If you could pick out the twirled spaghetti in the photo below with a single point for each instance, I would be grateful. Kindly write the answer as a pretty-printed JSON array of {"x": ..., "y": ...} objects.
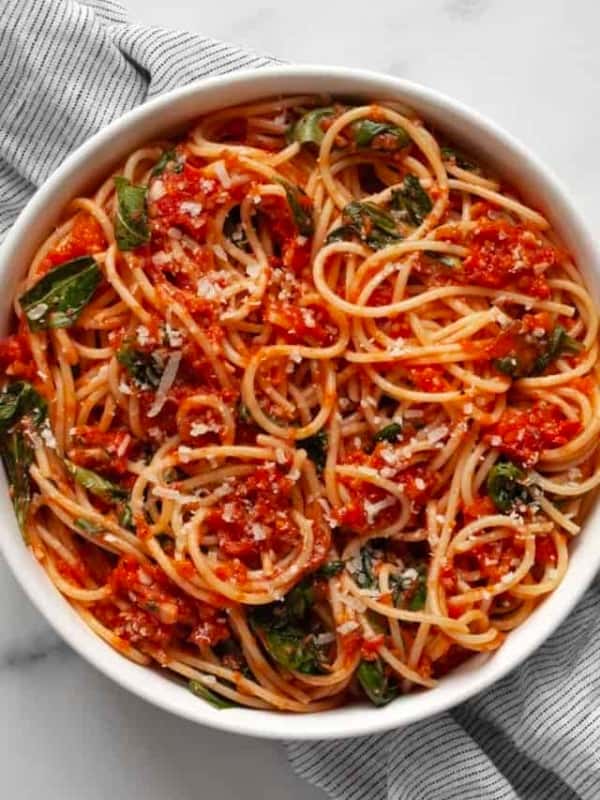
[{"x": 302, "y": 406}]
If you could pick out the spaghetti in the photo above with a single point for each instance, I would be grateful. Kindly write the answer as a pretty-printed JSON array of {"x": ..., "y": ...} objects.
[{"x": 302, "y": 406}]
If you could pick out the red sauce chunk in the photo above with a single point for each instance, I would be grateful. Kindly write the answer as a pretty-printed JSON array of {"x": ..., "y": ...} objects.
[
  {"x": 522, "y": 434},
  {"x": 160, "y": 613},
  {"x": 506, "y": 255}
]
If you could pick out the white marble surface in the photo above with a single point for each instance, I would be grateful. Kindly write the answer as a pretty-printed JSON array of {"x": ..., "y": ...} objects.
[{"x": 533, "y": 66}]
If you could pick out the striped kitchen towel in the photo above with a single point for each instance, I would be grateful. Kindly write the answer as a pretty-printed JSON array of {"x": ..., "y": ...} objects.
[{"x": 66, "y": 69}]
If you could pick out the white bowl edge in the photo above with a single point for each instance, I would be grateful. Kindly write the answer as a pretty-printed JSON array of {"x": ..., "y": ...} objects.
[{"x": 93, "y": 160}]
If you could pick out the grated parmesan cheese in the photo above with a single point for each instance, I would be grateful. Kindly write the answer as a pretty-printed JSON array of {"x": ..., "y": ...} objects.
[
  {"x": 160, "y": 259},
  {"x": 222, "y": 175},
  {"x": 166, "y": 381},
  {"x": 206, "y": 289},
  {"x": 48, "y": 437},
  {"x": 324, "y": 638},
  {"x": 143, "y": 335},
  {"x": 347, "y": 627},
  {"x": 157, "y": 190},
  {"x": 253, "y": 270},
  {"x": 373, "y": 509},
  {"x": 191, "y": 208},
  {"x": 259, "y": 532}
]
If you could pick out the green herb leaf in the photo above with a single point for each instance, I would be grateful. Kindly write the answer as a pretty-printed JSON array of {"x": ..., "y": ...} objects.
[
  {"x": 452, "y": 262},
  {"x": 308, "y": 130},
  {"x": 59, "y": 297},
  {"x": 96, "y": 484},
  {"x": 21, "y": 410},
  {"x": 169, "y": 159},
  {"x": 87, "y": 526},
  {"x": 131, "y": 223},
  {"x": 410, "y": 591},
  {"x": 200, "y": 690},
  {"x": 508, "y": 365},
  {"x": 20, "y": 400},
  {"x": 293, "y": 649},
  {"x": 559, "y": 343},
  {"x": 460, "y": 159},
  {"x": 341, "y": 234},
  {"x": 412, "y": 201},
  {"x": 301, "y": 208},
  {"x": 126, "y": 517},
  {"x": 390, "y": 433},
  {"x": 330, "y": 569},
  {"x": 374, "y": 682},
  {"x": 282, "y": 625},
  {"x": 365, "y": 131},
  {"x": 316, "y": 448},
  {"x": 244, "y": 414},
  {"x": 370, "y": 223},
  {"x": 145, "y": 368},
  {"x": 504, "y": 485}
]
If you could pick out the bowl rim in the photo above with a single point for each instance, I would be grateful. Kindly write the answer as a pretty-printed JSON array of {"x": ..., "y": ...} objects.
[{"x": 148, "y": 684}]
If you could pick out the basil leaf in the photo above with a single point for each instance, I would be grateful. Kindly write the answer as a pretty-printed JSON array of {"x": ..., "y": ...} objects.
[
  {"x": 145, "y": 368},
  {"x": 330, "y": 569},
  {"x": 234, "y": 230},
  {"x": 452, "y": 262},
  {"x": 59, "y": 297},
  {"x": 308, "y": 130},
  {"x": 21, "y": 407},
  {"x": 20, "y": 400},
  {"x": 96, "y": 484},
  {"x": 86, "y": 525},
  {"x": 282, "y": 625},
  {"x": 131, "y": 223},
  {"x": 412, "y": 201},
  {"x": 364, "y": 576},
  {"x": 301, "y": 208},
  {"x": 126, "y": 517},
  {"x": 17, "y": 456},
  {"x": 504, "y": 485},
  {"x": 293, "y": 610},
  {"x": 365, "y": 130},
  {"x": 559, "y": 343},
  {"x": 341, "y": 234},
  {"x": 169, "y": 157},
  {"x": 459, "y": 158},
  {"x": 371, "y": 224},
  {"x": 508, "y": 365},
  {"x": 316, "y": 448},
  {"x": 390, "y": 433},
  {"x": 374, "y": 682},
  {"x": 200, "y": 690},
  {"x": 410, "y": 591},
  {"x": 293, "y": 649}
]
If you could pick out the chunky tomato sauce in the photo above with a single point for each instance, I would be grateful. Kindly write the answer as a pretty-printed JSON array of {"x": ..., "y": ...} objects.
[{"x": 522, "y": 434}]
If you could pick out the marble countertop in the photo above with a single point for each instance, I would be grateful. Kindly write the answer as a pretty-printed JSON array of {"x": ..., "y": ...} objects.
[{"x": 533, "y": 67}]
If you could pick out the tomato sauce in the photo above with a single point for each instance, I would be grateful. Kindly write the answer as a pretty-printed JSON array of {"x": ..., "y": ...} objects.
[
  {"x": 505, "y": 255},
  {"x": 85, "y": 238},
  {"x": 522, "y": 434}
]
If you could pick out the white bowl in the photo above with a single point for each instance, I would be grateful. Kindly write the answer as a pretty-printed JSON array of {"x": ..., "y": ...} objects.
[{"x": 93, "y": 161}]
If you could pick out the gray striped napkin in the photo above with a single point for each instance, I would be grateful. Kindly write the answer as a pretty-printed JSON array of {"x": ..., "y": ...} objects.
[{"x": 66, "y": 69}]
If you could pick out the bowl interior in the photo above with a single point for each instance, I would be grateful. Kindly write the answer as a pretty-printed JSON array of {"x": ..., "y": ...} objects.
[{"x": 166, "y": 115}]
